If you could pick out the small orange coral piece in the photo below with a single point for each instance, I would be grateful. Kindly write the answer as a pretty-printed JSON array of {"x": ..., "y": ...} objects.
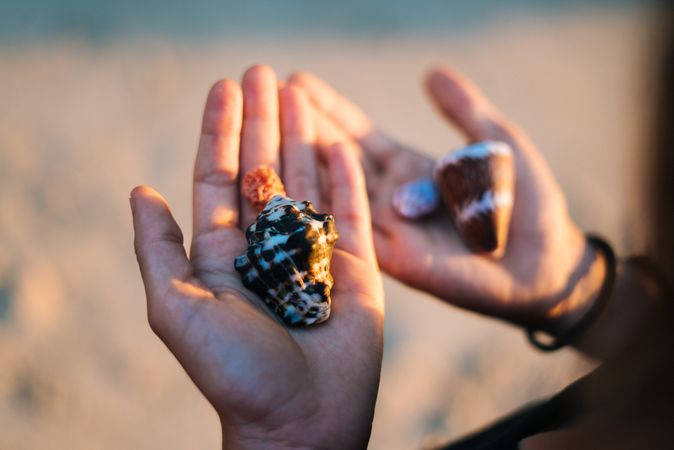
[{"x": 260, "y": 185}]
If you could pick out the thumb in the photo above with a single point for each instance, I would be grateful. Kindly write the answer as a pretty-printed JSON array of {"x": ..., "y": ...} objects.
[
  {"x": 163, "y": 262},
  {"x": 466, "y": 107}
]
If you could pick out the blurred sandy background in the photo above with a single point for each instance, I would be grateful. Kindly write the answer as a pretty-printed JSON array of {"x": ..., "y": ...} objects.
[{"x": 91, "y": 107}]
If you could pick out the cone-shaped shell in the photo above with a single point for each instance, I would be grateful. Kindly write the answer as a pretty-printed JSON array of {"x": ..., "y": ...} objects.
[
  {"x": 287, "y": 263},
  {"x": 477, "y": 184}
]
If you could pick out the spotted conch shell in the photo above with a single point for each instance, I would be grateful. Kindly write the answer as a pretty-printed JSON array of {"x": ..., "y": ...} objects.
[
  {"x": 477, "y": 184},
  {"x": 287, "y": 263}
]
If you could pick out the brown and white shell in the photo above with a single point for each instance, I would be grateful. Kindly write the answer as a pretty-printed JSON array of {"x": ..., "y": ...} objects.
[
  {"x": 287, "y": 263},
  {"x": 477, "y": 184}
]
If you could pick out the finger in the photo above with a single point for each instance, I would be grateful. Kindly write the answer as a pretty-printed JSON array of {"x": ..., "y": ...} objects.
[
  {"x": 341, "y": 110},
  {"x": 468, "y": 109},
  {"x": 158, "y": 243},
  {"x": 328, "y": 133},
  {"x": 464, "y": 105},
  {"x": 158, "y": 239},
  {"x": 217, "y": 164},
  {"x": 260, "y": 129},
  {"x": 298, "y": 136},
  {"x": 345, "y": 114},
  {"x": 350, "y": 204}
]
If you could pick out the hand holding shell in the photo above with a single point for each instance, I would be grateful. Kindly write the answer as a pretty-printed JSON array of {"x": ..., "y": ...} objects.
[{"x": 477, "y": 185}]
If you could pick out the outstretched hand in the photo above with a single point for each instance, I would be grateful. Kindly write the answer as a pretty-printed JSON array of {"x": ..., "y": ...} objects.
[
  {"x": 272, "y": 386},
  {"x": 547, "y": 274}
]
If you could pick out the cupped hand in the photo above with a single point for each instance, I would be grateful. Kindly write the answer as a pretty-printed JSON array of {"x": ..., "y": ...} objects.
[
  {"x": 272, "y": 386},
  {"x": 548, "y": 272}
]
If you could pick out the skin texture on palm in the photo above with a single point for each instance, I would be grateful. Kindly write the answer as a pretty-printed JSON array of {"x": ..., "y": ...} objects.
[
  {"x": 548, "y": 273},
  {"x": 272, "y": 386}
]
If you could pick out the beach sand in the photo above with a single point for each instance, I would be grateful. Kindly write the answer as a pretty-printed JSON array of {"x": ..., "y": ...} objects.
[{"x": 82, "y": 123}]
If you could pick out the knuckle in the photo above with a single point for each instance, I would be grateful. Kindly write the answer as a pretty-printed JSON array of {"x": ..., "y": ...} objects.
[
  {"x": 219, "y": 177},
  {"x": 351, "y": 217},
  {"x": 303, "y": 180},
  {"x": 302, "y": 174}
]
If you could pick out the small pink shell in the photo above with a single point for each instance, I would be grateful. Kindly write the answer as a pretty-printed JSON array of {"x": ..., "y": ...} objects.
[{"x": 416, "y": 199}]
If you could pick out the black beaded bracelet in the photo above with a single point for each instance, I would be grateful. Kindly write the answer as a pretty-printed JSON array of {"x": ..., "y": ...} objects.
[{"x": 596, "y": 308}]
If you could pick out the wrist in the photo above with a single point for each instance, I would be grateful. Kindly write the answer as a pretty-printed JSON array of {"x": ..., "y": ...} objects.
[
  {"x": 635, "y": 303},
  {"x": 570, "y": 311},
  {"x": 300, "y": 435},
  {"x": 233, "y": 441},
  {"x": 247, "y": 438},
  {"x": 606, "y": 306}
]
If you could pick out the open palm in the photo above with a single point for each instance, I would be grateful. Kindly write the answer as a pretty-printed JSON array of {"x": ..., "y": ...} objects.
[
  {"x": 271, "y": 385},
  {"x": 536, "y": 282}
]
